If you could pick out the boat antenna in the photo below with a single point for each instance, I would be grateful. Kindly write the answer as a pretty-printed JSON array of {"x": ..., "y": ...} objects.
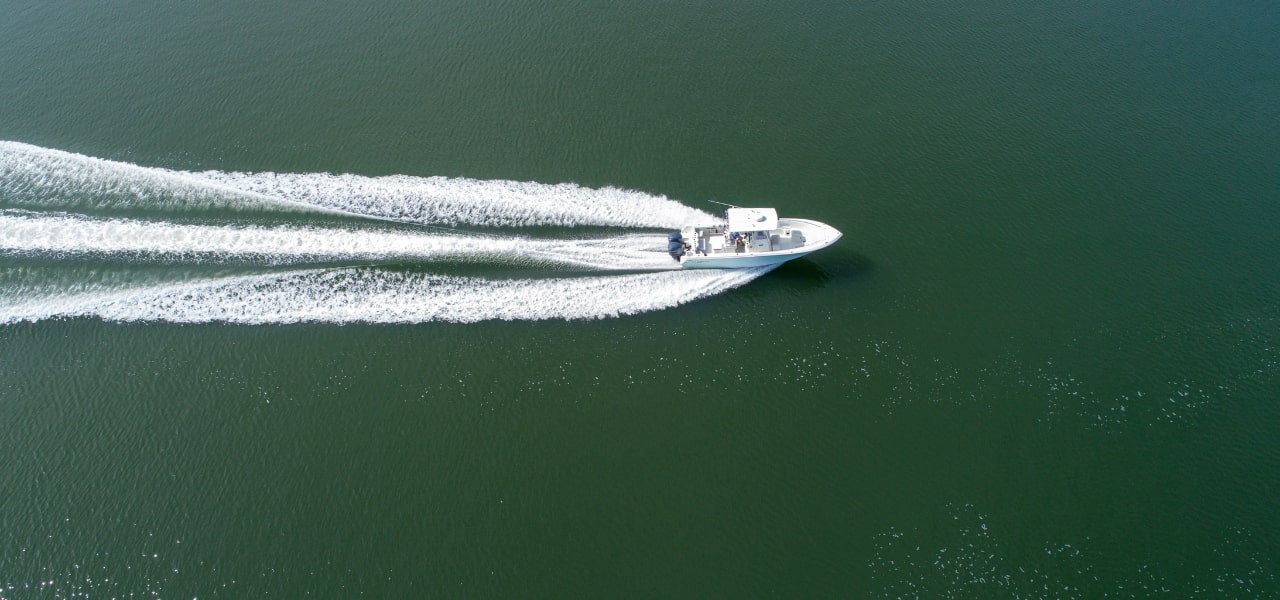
[{"x": 725, "y": 204}]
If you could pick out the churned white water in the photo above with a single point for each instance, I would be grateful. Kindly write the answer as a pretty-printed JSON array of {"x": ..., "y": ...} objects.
[
  {"x": 69, "y": 235},
  {"x": 460, "y": 201},
  {"x": 42, "y": 178},
  {"x": 378, "y": 296},
  {"x": 44, "y": 192}
]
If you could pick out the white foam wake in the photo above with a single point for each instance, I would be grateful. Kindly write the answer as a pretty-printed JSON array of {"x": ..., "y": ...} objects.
[
  {"x": 460, "y": 201},
  {"x": 37, "y": 184},
  {"x": 42, "y": 178},
  {"x": 63, "y": 234},
  {"x": 376, "y": 296}
]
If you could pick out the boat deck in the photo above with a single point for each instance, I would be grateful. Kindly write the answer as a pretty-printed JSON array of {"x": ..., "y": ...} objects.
[{"x": 717, "y": 240}]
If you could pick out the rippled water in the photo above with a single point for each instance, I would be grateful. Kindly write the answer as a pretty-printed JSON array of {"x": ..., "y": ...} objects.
[{"x": 372, "y": 300}]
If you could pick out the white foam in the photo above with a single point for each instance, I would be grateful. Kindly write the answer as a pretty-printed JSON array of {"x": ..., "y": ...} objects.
[
  {"x": 42, "y": 178},
  {"x": 377, "y": 296},
  {"x": 45, "y": 180},
  {"x": 458, "y": 201},
  {"x": 63, "y": 234}
]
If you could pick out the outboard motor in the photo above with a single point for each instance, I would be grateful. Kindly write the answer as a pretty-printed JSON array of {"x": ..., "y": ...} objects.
[{"x": 675, "y": 246}]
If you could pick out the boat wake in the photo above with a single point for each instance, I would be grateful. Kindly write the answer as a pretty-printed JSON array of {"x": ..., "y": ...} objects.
[
  {"x": 68, "y": 235},
  {"x": 44, "y": 179},
  {"x": 209, "y": 246},
  {"x": 376, "y": 296}
]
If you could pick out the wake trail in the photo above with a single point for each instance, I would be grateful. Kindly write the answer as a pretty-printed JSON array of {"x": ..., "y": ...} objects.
[
  {"x": 368, "y": 295},
  {"x": 460, "y": 201},
  {"x": 73, "y": 235},
  {"x": 41, "y": 178},
  {"x": 163, "y": 273}
]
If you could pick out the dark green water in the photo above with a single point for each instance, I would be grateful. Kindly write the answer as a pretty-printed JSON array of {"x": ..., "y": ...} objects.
[{"x": 1044, "y": 361}]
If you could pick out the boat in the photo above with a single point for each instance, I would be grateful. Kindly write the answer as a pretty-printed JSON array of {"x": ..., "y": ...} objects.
[{"x": 748, "y": 237}]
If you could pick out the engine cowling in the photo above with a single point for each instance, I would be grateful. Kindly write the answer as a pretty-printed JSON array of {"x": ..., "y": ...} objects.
[{"x": 675, "y": 245}]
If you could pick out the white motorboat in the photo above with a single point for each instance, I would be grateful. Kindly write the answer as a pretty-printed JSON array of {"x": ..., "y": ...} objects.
[{"x": 748, "y": 237}]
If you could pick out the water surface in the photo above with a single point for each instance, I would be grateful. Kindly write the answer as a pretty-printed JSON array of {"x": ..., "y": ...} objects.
[{"x": 371, "y": 300}]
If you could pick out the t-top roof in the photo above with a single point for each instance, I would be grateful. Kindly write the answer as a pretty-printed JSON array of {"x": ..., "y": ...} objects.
[{"x": 752, "y": 219}]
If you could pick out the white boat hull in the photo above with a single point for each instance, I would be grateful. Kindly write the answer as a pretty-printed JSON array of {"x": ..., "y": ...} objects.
[{"x": 711, "y": 247}]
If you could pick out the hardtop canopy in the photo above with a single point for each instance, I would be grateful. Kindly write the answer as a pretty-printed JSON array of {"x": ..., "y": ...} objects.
[{"x": 752, "y": 219}]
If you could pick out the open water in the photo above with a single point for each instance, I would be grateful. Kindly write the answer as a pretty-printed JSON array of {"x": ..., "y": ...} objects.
[{"x": 346, "y": 300}]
